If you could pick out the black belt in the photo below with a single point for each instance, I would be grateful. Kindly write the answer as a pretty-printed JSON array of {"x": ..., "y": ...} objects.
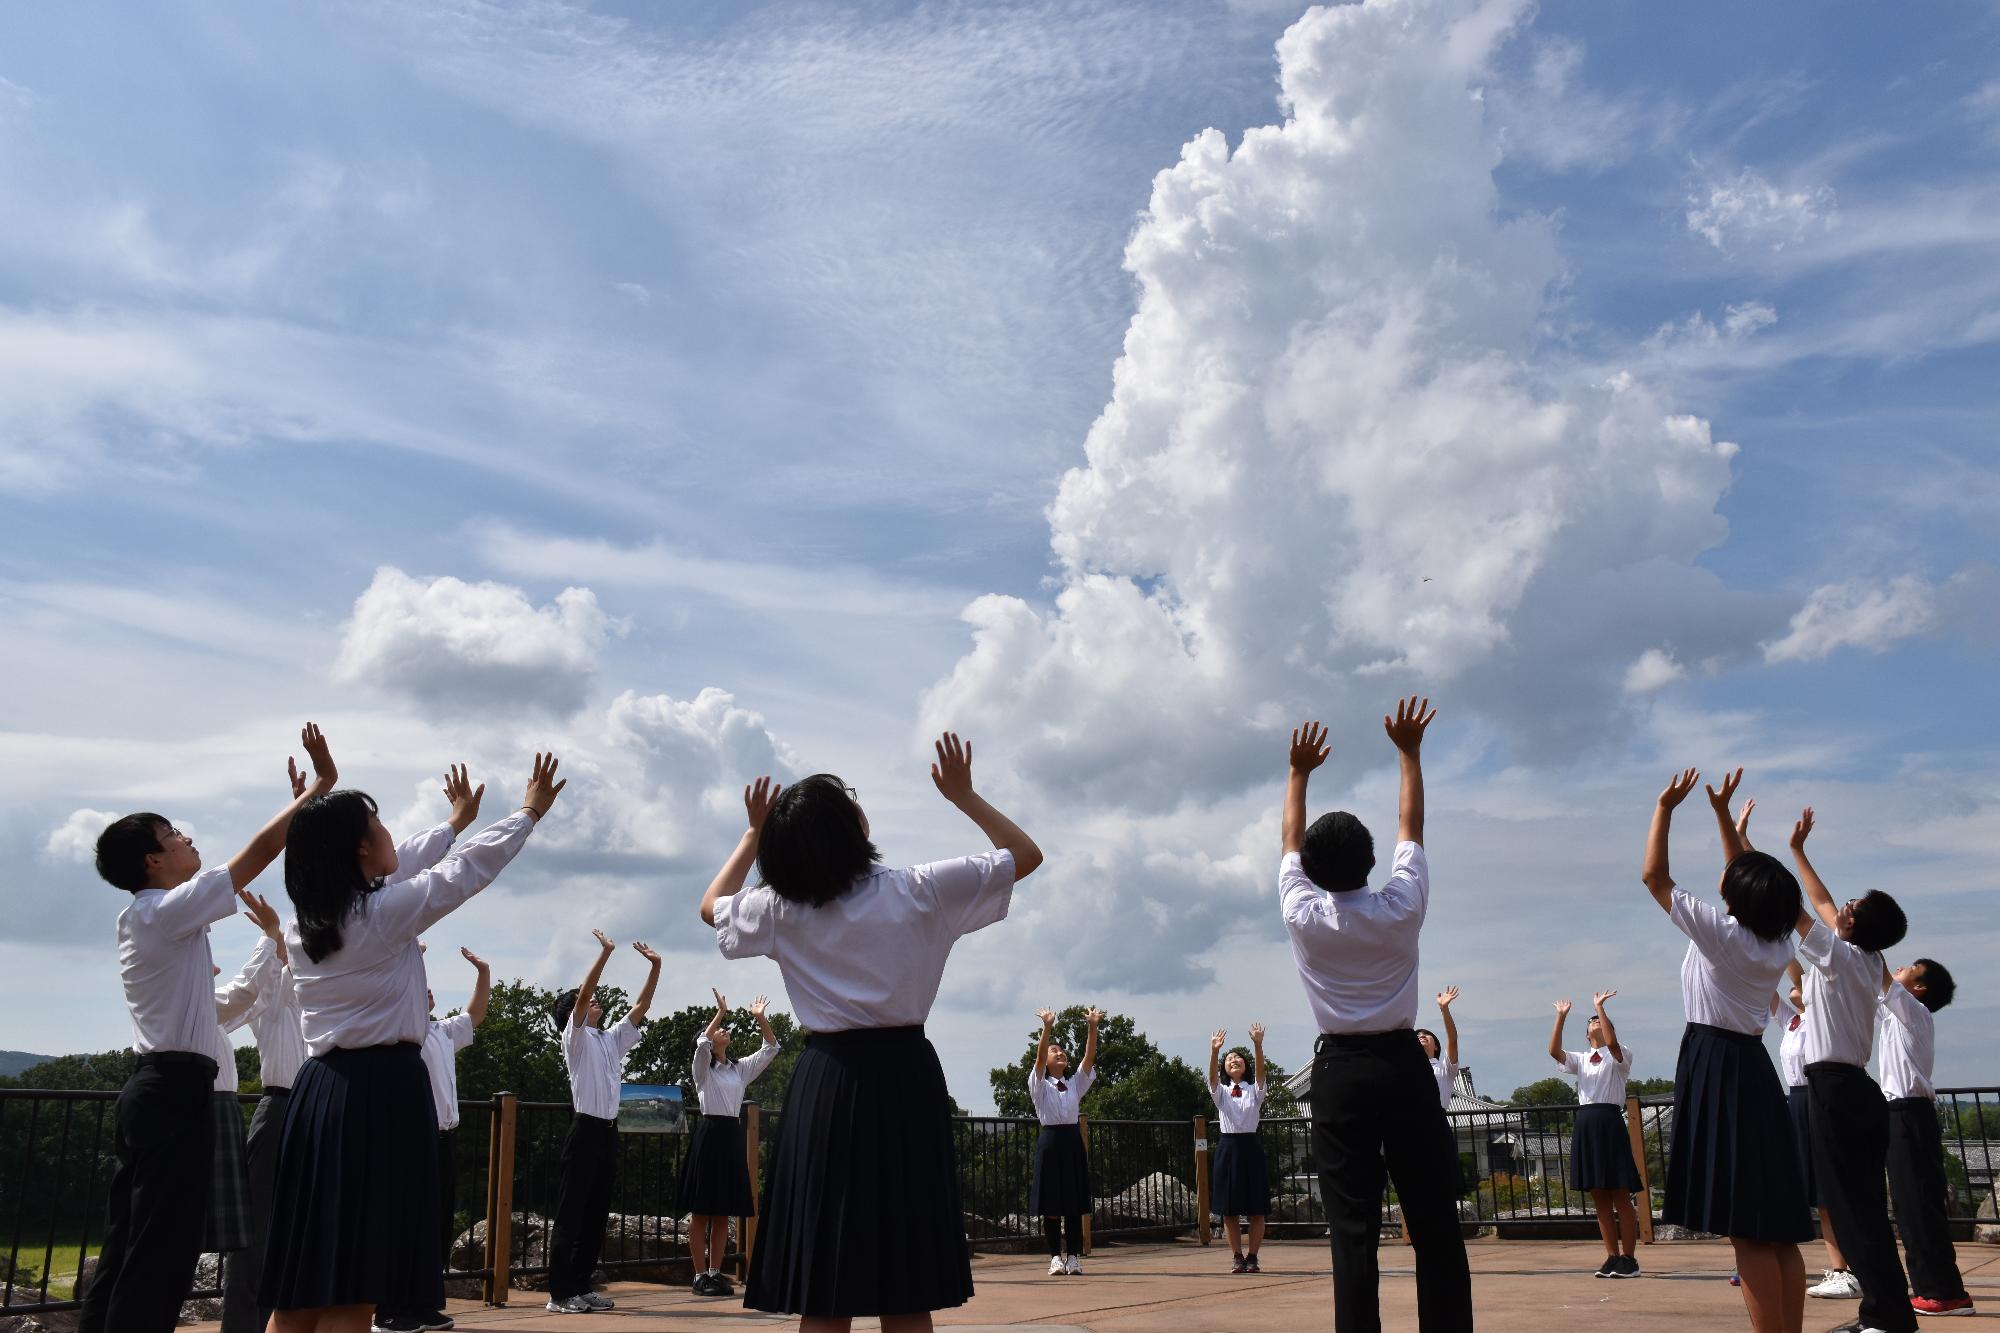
[
  {"x": 1362, "y": 1040},
  {"x": 272, "y": 1090},
  {"x": 170, "y": 1059}
]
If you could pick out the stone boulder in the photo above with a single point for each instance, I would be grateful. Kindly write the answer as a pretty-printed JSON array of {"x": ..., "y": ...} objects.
[{"x": 1158, "y": 1200}]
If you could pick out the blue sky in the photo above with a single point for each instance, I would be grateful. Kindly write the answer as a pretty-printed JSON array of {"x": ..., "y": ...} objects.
[{"x": 877, "y": 367}]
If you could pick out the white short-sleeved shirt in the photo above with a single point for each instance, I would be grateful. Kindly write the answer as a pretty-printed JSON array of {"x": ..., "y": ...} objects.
[
  {"x": 1357, "y": 951},
  {"x": 1238, "y": 1106},
  {"x": 1792, "y": 1044},
  {"x": 1446, "y": 1075},
  {"x": 1728, "y": 974},
  {"x": 720, "y": 1087},
  {"x": 1059, "y": 1101},
  {"x": 1600, "y": 1077},
  {"x": 233, "y": 1000},
  {"x": 873, "y": 957},
  {"x": 372, "y": 990},
  {"x": 1907, "y": 1043},
  {"x": 443, "y": 1041},
  {"x": 165, "y": 964},
  {"x": 595, "y": 1059},
  {"x": 1843, "y": 990}
]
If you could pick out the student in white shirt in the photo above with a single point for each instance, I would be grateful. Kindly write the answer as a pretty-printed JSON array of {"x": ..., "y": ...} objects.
[
  {"x": 595, "y": 1058},
  {"x": 1734, "y": 1168},
  {"x": 1059, "y": 1191},
  {"x": 1837, "y": 1283},
  {"x": 715, "y": 1174},
  {"x": 1600, "y": 1149},
  {"x": 232, "y": 1224},
  {"x": 1240, "y": 1176},
  {"x": 166, "y": 1126},
  {"x": 1842, "y": 948},
  {"x": 1444, "y": 1068},
  {"x": 355, "y": 1221},
  {"x": 1375, "y": 1099},
  {"x": 1906, "y": 1041},
  {"x": 861, "y": 1207}
]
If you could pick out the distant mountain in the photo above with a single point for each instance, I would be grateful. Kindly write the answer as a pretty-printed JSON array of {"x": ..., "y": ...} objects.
[{"x": 13, "y": 1062}]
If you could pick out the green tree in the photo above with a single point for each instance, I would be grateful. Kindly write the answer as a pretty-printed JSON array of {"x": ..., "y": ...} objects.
[
  {"x": 1135, "y": 1081},
  {"x": 516, "y": 1049},
  {"x": 1649, "y": 1087},
  {"x": 1550, "y": 1091}
]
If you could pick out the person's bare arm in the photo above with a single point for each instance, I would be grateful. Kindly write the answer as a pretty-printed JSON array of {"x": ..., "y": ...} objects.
[
  {"x": 1215, "y": 1057},
  {"x": 715, "y": 1024},
  {"x": 482, "y": 987},
  {"x": 1818, "y": 898},
  {"x": 758, "y": 798},
  {"x": 1609, "y": 1032},
  {"x": 1743, "y": 824},
  {"x": 1257, "y": 1049},
  {"x": 1309, "y": 750},
  {"x": 644, "y": 1004},
  {"x": 588, "y": 990},
  {"x": 1444, "y": 999},
  {"x": 263, "y": 849},
  {"x": 951, "y": 773},
  {"x": 1658, "y": 881},
  {"x": 1556, "y": 1034},
  {"x": 1042, "y": 1047},
  {"x": 764, "y": 1028},
  {"x": 464, "y": 797},
  {"x": 1732, "y": 837},
  {"x": 1406, "y": 733},
  {"x": 1093, "y": 1017}
]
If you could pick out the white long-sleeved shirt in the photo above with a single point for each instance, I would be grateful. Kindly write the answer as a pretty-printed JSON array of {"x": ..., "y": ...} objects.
[
  {"x": 233, "y": 1001},
  {"x": 444, "y": 1039},
  {"x": 1357, "y": 951},
  {"x": 720, "y": 1087},
  {"x": 371, "y": 990}
]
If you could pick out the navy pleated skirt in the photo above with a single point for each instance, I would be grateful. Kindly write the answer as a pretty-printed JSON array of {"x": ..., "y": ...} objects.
[
  {"x": 1795, "y": 1099},
  {"x": 1061, "y": 1183},
  {"x": 861, "y": 1206},
  {"x": 1733, "y": 1169},
  {"x": 354, "y": 1215},
  {"x": 715, "y": 1176},
  {"x": 1239, "y": 1179},
  {"x": 1600, "y": 1151}
]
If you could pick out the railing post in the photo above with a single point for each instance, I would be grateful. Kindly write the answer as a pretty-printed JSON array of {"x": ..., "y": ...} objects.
[
  {"x": 1635, "y": 1127},
  {"x": 1201, "y": 1227},
  {"x": 500, "y": 1199},
  {"x": 1090, "y": 1210},
  {"x": 746, "y": 1227}
]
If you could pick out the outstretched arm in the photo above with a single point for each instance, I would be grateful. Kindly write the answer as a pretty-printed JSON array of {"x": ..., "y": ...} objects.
[
  {"x": 1604, "y": 1023},
  {"x": 1215, "y": 1057},
  {"x": 721, "y": 1014},
  {"x": 1257, "y": 1049},
  {"x": 1556, "y": 1034},
  {"x": 637, "y": 1013},
  {"x": 1659, "y": 882},
  {"x": 764, "y": 1028},
  {"x": 482, "y": 988},
  {"x": 1042, "y": 1047},
  {"x": 1818, "y": 899},
  {"x": 1444, "y": 999},
  {"x": 263, "y": 849},
  {"x": 1089, "y": 1065},
  {"x": 1732, "y": 837},
  {"x": 588, "y": 990},
  {"x": 951, "y": 772},
  {"x": 758, "y": 798},
  {"x": 464, "y": 797},
  {"x": 1309, "y": 750},
  {"x": 1406, "y": 733},
  {"x": 1743, "y": 824}
]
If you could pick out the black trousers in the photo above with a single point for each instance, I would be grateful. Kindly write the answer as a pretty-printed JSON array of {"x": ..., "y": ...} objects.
[
  {"x": 1056, "y": 1229},
  {"x": 159, "y": 1196},
  {"x": 1850, "y": 1147},
  {"x": 1917, "y": 1187},
  {"x": 1375, "y": 1105},
  {"x": 583, "y": 1201},
  {"x": 241, "y": 1270}
]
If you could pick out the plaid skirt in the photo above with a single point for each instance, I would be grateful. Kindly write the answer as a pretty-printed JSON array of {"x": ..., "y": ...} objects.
[{"x": 228, "y": 1225}]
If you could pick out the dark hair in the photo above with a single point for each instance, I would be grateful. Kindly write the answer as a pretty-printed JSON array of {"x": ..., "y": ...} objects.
[
  {"x": 1426, "y": 1032},
  {"x": 1762, "y": 895},
  {"x": 563, "y": 1009},
  {"x": 1879, "y": 922},
  {"x": 1249, "y": 1064},
  {"x": 1938, "y": 985},
  {"x": 813, "y": 847},
  {"x": 123, "y": 847},
  {"x": 1338, "y": 852},
  {"x": 323, "y": 866}
]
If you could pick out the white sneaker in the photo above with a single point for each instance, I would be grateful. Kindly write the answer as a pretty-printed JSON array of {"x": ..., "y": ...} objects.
[
  {"x": 574, "y": 1305},
  {"x": 1838, "y": 1285},
  {"x": 597, "y": 1300},
  {"x": 1074, "y": 1267},
  {"x": 1055, "y": 1265}
]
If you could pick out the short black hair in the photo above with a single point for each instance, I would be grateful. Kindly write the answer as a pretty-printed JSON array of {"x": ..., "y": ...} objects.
[
  {"x": 125, "y": 844},
  {"x": 1426, "y": 1032},
  {"x": 563, "y": 1009},
  {"x": 1879, "y": 922},
  {"x": 1762, "y": 895},
  {"x": 1249, "y": 1064},
  {"x": 813, "y": 846},
  {"x": 1938, "y": 985},
  {"x": 1338, "y": 852}
]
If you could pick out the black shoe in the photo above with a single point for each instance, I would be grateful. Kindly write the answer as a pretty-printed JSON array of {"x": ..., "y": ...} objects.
[
  {"x": 1609, "y": 1268},
  {"x": 396, "y": 1323},
  {"x": 1628, "y": 1266},
  {"x": 436, "y": 1321},
  {"x": 1252, "y": 1261},
  {"x": 1856, "y": 1326},
  {"x": 701, "y": 1287},
  {"x": 718, "y": 1285}
]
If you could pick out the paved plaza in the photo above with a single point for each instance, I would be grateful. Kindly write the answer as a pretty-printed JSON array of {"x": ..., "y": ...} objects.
[{"x": 1519, "y": 1287}]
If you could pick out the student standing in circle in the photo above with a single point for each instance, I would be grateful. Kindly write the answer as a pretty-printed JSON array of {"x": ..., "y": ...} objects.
[
  {"x": 1060, "y": 1193},
  {"x": 1600, "y": 1145},
  {"x": 1239, "y": 1175},
  {"x": 715, "y": 1174}
]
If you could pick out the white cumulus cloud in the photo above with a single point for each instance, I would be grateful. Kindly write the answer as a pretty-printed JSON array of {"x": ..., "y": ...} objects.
[
  {"x": 75, "y": 839},
  {"x": 1652, "y": 670},
  {"x": 1856, "y": 615},
  {"x": 1748, "y": 210}
]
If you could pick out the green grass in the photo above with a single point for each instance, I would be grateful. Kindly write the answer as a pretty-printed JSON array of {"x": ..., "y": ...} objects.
[{"x": 62, "y": 1262}]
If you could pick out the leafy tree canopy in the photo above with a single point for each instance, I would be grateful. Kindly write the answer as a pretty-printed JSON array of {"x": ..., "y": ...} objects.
[{"x": 1135, "y": 1080}]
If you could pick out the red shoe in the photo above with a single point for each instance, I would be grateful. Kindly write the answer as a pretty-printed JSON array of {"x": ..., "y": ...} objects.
[{"x": 1956, "y": 1305}]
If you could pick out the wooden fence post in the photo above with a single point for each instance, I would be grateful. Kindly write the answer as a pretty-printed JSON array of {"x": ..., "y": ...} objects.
[
  {"x": 1201, "y": 1226},
  {"x": 746, "y": 1227},
  {"x": 1083, "y": 1127},
  {"x": 1636, "y": 1129},
  {"x": 500, "y": 1198}
]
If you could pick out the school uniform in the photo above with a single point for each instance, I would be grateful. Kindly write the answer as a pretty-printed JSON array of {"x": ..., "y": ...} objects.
[
  {"x": 1060, "y": 1185},
  {"x": 1445, "y": 1070},
  {"x": 715, "y": 1175},
  {"x": 1792, "y": 1070},
  {"x": 1734, "y": 1168},
  {"x": 1375, "y": 1102},
  {"x": 165, "y": 1115},
  {"x": 1239, "y": 1176},
  {"x": 275, "y": 1025},
  {"x": 229, "y": 1227},
  {"x": 861, "y": 1210},
  {"x": 355, "y": 1218},
  {"x": 1850, "y": 1120},
  {"x": 1905, "y": 1042},
  {"x": 595, "y": 1058},
  {"x": 1600, "y": 1146}
]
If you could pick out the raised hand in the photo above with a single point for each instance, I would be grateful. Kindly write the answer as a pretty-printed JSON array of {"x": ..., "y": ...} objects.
[
  {"x": 542, "y": 786},
  {"x": 1721, "y": 799},
  {"x": 603, "y": 941},
  {"x": 758, "y": 1006},
  {"x": 1678, "y": 788},
  {"x": 1803, "y": 829},
  {"x": 1309, "y": 748},
  {"x": 952, "y": 771},
  {"x": 1406, "y": 729},
  {"x": 721, "y": 1005},
  {"x": 1048, "y": 1017},
  {"x": 1094, "y": 1016},
  {"x": 324, "y": 773},
  {"x": 1215, "y": 1042},
  {"x": 1446, "y": 996},
  {"x": 260, "y": 913},
  {"x": 646, "y": 952},
  {"x": 1256, "y": 1034},
  {"x": 473, "y": 958},
  {"x": 1562, "y": 1008},
  {"x": 297, "y": 779},
  {"x": 758, "y": 799},
  {"x": 464, "y": 797},
  {"x": 1743, "y": 820},
  {"x": 1597, "y": 1000}
]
